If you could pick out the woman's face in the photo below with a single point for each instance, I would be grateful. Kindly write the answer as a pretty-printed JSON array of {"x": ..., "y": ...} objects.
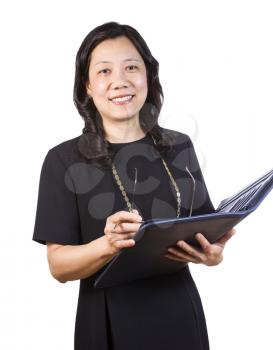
[{"x": 117, "y": 69}]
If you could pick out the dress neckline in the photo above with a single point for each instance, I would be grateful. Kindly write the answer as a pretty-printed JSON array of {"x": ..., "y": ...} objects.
[{"x": 114, "y": 144}]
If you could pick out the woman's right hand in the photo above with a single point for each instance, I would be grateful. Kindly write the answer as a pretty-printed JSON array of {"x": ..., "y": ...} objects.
[{"x": 127, "y": 226}]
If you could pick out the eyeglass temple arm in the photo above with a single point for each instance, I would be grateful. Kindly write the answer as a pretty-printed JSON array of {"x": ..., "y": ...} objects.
[
  {"x": 134, "y": 189},
  {"x": 193, "y": 189}
]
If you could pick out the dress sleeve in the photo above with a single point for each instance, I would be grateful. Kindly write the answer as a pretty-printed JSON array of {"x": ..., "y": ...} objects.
[
  {"x": 202, "y": 203},
  {"x": 57, "y": 217}
]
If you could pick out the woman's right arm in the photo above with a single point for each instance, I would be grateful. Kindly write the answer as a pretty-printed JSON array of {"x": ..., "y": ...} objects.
[{"x": 70, "y": 262}]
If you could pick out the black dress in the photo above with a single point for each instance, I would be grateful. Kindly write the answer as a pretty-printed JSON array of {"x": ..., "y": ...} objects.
[{"x": 74, "y": 200}]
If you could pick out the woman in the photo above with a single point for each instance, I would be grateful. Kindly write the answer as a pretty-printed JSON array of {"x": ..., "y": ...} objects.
[{"x": 84, "y": 211}]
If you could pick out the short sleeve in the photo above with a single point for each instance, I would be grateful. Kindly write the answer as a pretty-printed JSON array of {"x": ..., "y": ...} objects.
[
  {"x": 202, "y": 202},
  {"x": 57, "y": 217}
]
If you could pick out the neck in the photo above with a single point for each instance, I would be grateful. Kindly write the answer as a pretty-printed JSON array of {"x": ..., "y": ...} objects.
[{"x": 128, "y": 131}]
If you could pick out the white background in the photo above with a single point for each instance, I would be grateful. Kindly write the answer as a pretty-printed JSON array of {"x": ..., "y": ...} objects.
[{"x": 216, "y": 70}]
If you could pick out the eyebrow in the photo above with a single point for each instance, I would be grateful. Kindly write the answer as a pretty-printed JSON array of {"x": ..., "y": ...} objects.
[{"x": 126, "y": 60}]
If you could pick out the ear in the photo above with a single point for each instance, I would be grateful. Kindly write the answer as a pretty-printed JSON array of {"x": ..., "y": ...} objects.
[{"x": 88, "y": 89}]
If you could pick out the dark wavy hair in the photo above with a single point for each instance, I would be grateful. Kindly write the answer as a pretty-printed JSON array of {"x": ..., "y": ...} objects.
[{"x": 92, "y": 145}]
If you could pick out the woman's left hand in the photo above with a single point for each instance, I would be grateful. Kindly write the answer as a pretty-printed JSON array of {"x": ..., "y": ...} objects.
[{"x": 209, "y": 254}]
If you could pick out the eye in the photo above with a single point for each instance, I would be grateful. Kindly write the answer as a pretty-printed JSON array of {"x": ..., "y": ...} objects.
[
  {"x": 103, "y": 70},
  {"x": 132, "y": 66}
]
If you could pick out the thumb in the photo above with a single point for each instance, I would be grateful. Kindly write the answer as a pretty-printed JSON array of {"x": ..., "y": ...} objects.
[
  {"x": 226, "y": 237},
  {"x": 135, "y": 211}
]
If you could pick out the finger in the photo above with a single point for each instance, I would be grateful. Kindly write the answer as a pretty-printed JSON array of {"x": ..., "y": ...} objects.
[
  {"x": 113, "y": 237},
  {"x": 125, "y": 243},
  {"x": 125, "y": 227},
  {"x": 205, "y": 244},
  {"x": 190, "y": 250},
  {"x": 182, "y": 259},
  {"x": 223, "y": 240},
  {"x": 184, "y": 256},
  {"x": 125, "y": 216},
  {"x": 173, "y": 257}
]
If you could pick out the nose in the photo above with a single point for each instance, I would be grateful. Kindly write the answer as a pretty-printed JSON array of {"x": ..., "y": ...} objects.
[{"x": 119, "y": 80}]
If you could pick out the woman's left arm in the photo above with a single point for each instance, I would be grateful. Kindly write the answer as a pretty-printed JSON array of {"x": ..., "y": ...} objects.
[{"x": 209, "y": 254}]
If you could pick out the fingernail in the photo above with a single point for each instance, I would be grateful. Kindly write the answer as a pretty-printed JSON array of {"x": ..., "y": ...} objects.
[{"x": 135, "y": 211}]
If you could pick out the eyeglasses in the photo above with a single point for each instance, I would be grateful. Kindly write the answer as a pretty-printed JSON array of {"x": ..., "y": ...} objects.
[{"x": 192, "y": 191}]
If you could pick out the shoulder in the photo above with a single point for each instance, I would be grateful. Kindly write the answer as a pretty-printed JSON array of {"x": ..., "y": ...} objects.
[
  {"x": 65, "y": 151},
  {"x": 65, "y": 146},
  {"x": 178, "y": 138}
]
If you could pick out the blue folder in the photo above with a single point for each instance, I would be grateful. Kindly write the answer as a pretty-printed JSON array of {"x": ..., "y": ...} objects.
[{"x": 155, "y": 236}]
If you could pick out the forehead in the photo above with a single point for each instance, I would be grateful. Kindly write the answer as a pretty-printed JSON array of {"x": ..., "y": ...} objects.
[{"x": 112, "y": 50}]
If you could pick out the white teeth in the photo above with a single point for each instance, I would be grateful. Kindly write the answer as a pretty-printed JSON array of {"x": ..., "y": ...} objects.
[{"x": 120, "y": 99}]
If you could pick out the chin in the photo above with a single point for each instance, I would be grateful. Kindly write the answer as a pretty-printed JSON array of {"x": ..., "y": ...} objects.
[{"x": 124, "y": 114}]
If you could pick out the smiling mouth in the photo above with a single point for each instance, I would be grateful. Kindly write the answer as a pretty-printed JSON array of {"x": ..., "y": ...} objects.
[{"x": 122, "y": 100}]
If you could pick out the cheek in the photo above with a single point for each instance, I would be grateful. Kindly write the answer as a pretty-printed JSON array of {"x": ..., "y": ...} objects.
[
  {"x": 99, "y": 87},
  {"x": 141, "y": 83}
]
